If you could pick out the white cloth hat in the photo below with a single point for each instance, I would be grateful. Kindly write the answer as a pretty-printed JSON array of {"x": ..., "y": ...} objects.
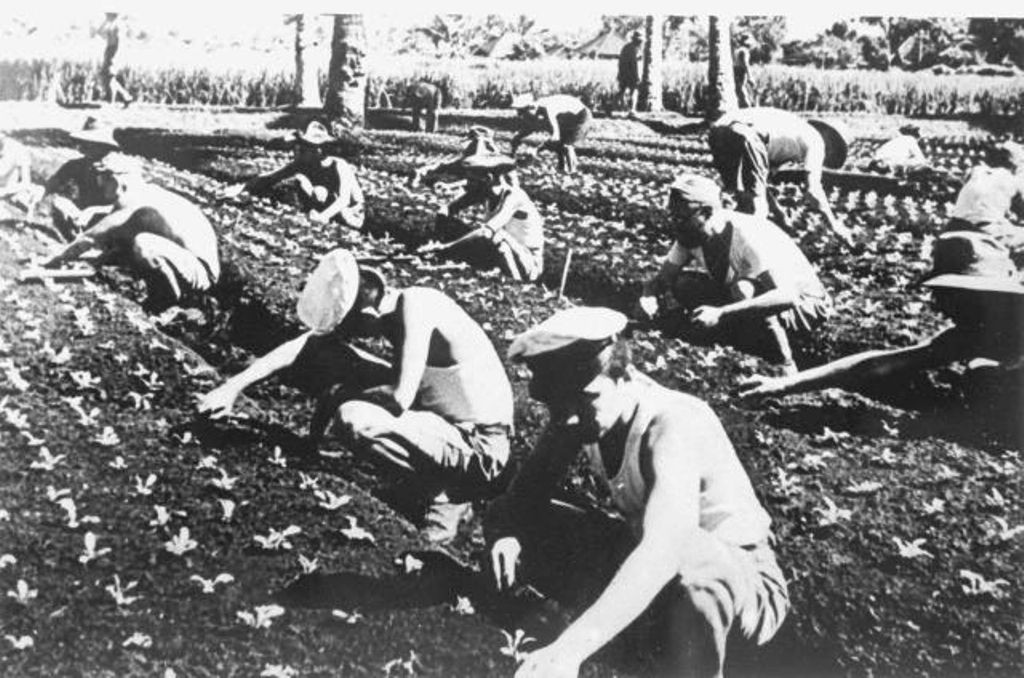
[
  {"x": 583, "y": 323},
  {"x": 697, "y": 190},
  {"x": 330, "y": 292}
]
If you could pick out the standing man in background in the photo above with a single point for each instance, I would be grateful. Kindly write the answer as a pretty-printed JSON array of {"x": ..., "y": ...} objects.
[
  {"x": 110, "y": 31},
  {"x": 629, "y": 72},
  {"x": 427, "y": 99}
]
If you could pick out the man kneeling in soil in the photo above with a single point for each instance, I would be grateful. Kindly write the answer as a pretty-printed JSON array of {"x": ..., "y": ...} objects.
[
  {"x": 74, "y": 193},
  {"x": 440, "y": 417},
  {"x": 976, "y": 285},
  {"x": 759, "y": 279},
  {"x": 512, "y": 234},
  {"x": 327, "y": 184},
  {"x": 697, "y": 549},
  {"x": 157, "y": 233}
]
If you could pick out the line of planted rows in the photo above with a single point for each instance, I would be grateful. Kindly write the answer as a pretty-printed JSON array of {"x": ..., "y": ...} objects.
[{"x": 611, "y": 256}]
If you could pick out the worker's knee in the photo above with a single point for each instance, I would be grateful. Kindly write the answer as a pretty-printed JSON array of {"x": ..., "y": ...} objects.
[
  {"x": 146, "y": 250},
  {"x": 742, "y": 289},
  {"x": 360, "y": 421}
]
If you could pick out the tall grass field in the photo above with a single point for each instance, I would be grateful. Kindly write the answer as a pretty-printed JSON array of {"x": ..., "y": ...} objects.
[{"x": 490, "y": 84}]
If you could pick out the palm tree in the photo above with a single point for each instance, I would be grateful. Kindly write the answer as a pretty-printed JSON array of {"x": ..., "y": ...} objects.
[
  {"x": 650, "y": 81},
  {"x": 346, "y": 75},
  {"x": 720, "y": 74},
  {"x": 307, "y": 77}
]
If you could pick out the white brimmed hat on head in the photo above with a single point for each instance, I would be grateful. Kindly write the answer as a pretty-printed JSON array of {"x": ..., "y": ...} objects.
[
  {"x": 314, "y": 135},
  {"x": 587, "y": 324},
  {"x": 968, "y": 260},
  {"x": 331, "y": 291},
  {"x": 94, "y": 132},
  {"x": 564, "y": 352},
  {"x": 697, "y": 190}
]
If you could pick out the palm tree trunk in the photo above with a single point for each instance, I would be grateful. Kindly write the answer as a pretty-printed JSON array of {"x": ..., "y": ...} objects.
[
  {"x": 650, "y": 83},
  {"x": 346, "y": 75},
  {"x": 307, "y": 76},
  {"x": 720, "y": 75}
]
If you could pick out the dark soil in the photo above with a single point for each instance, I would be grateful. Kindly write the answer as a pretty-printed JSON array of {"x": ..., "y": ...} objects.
[{"x": 859, "y": 607}]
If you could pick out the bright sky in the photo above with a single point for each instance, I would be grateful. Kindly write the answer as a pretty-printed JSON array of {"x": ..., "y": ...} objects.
[{"x": 203, "y": 16}]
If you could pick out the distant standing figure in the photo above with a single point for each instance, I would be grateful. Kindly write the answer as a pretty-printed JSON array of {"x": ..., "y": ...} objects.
[
  {"x": 565, "y": 118},
  {"x": 741, "y": 76},
  {"x": 110, "y": 30},
  {"x": 629, "y": 71},
  {"x": 427, "y": 99},
  {"x": 327, "y": 183}
]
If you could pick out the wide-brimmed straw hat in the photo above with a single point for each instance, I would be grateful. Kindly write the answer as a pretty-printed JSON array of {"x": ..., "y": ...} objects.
[
  {"x": 837, "y": 138},
  {"x": 479, "y": 132},
  {"x": 589, "y": 324},
  {"x": 331, "y": 291},
  {"x": 95, "y": 132},
  {"x": 969, "y": 260},
  {"x": 314, "y": 135},
  {"x": 487, "y": 163}
]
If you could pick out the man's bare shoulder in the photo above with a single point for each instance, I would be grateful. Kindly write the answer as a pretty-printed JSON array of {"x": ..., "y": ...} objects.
[{"x": 428, "y": 298}]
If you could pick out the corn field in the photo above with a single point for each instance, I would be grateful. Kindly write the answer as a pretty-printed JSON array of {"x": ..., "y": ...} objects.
[{"x": 490, "y": 84}]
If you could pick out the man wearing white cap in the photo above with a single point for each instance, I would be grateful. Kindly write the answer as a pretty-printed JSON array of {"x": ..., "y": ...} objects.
[
  {"x": 440, "y": 415},
  {"x": 975, "y": 284},
  {"x": 565, "y": 118},
  {"x": 327, "y": 184},
  {"x": 76, "y": 198},
  {"x": 759, "y": 278},
  {"x": 157, "y": 233},
  {"x": 993, "y": 191},
  {"x": 698, "y": 549},
  {"x": 749, "y": 143}
]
